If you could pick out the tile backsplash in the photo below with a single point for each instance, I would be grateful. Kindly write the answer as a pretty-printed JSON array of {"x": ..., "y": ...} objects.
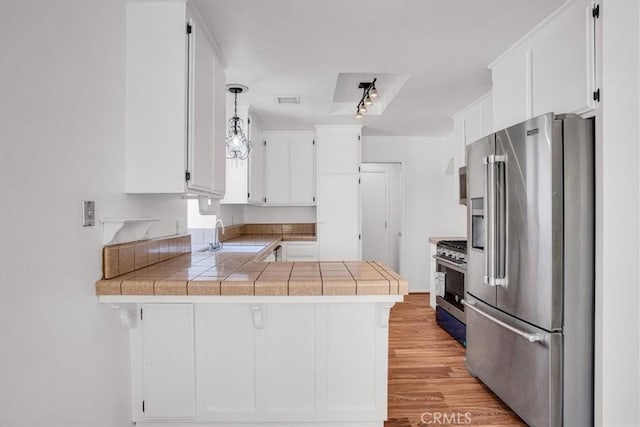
[
  {"x": 127, "y": 257},
  {"x": 305, "y": 231}
]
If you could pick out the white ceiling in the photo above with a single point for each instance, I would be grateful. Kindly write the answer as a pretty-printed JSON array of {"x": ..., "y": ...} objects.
[{"x": 299, "y": 47}]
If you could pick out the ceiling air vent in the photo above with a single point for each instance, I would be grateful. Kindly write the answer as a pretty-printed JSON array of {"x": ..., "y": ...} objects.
[{"x": 287, "y": 99}]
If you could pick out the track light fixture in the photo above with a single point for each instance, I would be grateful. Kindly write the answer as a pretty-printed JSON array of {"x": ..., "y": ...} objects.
[{"x": 369, "y": 92}]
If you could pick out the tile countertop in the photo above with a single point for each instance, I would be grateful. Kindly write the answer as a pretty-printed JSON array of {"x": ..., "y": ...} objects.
[{"x": 244, "y": 273}]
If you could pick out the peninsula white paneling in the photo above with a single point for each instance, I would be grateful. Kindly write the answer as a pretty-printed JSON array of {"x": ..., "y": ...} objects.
[
  {"x": 169, "y": 363},
  {"x": 351, "y": 385},
  {"x": 291, "y": 358},
  {"x": 226, "y": 354}
]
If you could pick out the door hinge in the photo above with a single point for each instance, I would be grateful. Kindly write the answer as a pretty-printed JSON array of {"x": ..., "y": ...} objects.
[
  {"x": 358, "y": 180},
  {"x": 248, "y": 120},
  {"x": 314, "y": 199},
  {"x": 248, "y": 195},
  {"x": 358, "y": 137},
  {"x": 143, "y": 406},
  {"x": 265, "y": 142},
  {"x": 313, "y": 142},
  {"x": 187, "y": 175},
  {"x": 595, "y": 12},
  {"x": 141, "y": 313},
  {"x": 359, "y": 236},
  {"x": 188, "y": 28},
  {"x": 596, "y": 95},
  {"x": 358, "y": 168},
  {"x": 265, "y": 200},
  {"x": 385, "y": 224}
]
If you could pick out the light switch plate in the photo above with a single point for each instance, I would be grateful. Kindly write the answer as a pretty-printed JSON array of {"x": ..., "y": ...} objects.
[{"x": 88, "y": 213}]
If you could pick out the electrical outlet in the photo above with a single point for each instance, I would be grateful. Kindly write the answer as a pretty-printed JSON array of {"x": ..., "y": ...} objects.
[{"x": 88, "y": 213}]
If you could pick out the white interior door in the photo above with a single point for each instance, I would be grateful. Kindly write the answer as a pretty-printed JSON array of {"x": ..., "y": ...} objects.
[
  {"x": 375, "y": 236},
  {"x": 383, "y": 213}
]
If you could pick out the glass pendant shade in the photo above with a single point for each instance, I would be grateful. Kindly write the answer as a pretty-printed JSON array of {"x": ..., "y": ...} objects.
[
  {"x": 368, "y": 100},
  {"x": 238, "y": 146},
  {"x": 373, "y": 93}
]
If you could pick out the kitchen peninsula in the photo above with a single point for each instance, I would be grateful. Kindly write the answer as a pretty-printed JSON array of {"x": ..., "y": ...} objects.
[{"x": 221, "y": 337}]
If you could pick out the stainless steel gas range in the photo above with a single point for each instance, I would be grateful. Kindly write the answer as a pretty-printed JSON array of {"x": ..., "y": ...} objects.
[{"x": 451, "y": 268}]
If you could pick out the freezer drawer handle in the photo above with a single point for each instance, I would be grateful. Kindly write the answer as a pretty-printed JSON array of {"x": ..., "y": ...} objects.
[{"x": 525, "y": 335}]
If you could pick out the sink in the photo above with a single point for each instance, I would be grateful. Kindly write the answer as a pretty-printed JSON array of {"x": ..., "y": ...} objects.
[{"x": 254, "y": 249}]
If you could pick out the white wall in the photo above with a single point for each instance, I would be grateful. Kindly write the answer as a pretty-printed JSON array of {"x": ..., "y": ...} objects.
[
  {"x": 431, "y": 202},
  {"x": 279, "y": 214},
  {"x": 618, "y": 219},
  {"x": 63, "y": 357}
]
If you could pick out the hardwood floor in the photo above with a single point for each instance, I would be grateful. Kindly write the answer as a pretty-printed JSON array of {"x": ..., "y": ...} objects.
[{"x": 428, "y": 375}]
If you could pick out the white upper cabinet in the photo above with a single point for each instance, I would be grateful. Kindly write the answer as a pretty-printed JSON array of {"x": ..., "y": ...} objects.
[
  {"x": 552, "y": 69},
  {"x": 289, "y": 168},
  {"x": 175, "y": 102},
  {"x": 474, "y": 121},
  {"x": 511, "y": 90},
  {"x": 563, "y": 63}
]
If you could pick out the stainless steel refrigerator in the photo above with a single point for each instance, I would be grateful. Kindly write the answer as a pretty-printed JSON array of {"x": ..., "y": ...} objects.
[{"x": 530, "y": 273}]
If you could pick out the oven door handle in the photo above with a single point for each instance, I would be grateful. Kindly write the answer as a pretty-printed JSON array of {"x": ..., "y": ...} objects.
[
  {"x": 527, "y": 336},
  {"x": 448, "y": 263}
]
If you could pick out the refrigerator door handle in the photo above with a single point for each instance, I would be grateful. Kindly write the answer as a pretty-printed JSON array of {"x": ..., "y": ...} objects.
[
  {"x": 500, "y": 224},
  {"x": 532, "y": 338},
  {"x": 488, "y": 223}
]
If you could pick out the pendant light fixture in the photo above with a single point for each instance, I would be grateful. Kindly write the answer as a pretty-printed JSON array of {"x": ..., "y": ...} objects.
[
  {"x": 238, "y": 145},
  {"x": 369, "y": 92}
]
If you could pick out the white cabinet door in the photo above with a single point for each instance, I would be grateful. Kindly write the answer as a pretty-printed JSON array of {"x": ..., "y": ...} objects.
[
  {"x": 174, "y": 102},
  {"x": 338, "y": 149},
  {"x": 155, "y": 98},
  {"x": 169, "y": 364},
  {"x": 277, "y": 169},
  {"x": 563, "y": 64},
  {"x": 338, "y": 217},
  {"x": 200, "y": 131},
  {"x": 219, "y": 130},
  {"x": 289, "y": 168},
  {"x": 256, "y": 164},
  {"x": 511, "y": 90},
  {"x": 303, "y": 169},
  {"x": 300, "y": 251}
]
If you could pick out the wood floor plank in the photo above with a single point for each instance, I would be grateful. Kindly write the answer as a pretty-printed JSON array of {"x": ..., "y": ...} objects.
[{"x": 428, "y": 375}]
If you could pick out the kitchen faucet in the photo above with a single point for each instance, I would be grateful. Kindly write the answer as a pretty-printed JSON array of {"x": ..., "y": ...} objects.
[{"x": 216, "y": 237}]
